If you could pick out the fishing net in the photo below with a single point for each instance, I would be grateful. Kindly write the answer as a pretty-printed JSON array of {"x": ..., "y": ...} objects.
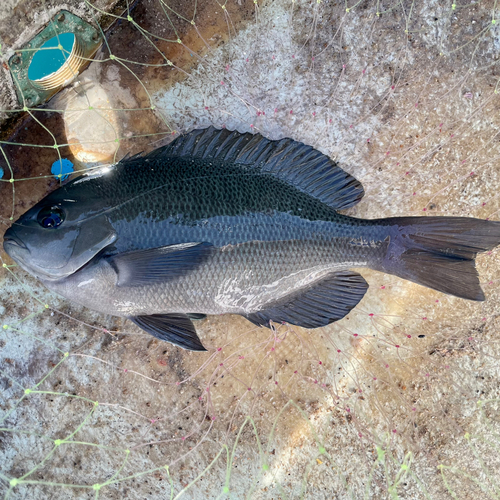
[{"x": 397, "y": 400}]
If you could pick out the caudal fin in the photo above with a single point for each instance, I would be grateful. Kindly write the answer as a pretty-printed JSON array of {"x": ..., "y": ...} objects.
[{"x": 439, "y": 252}]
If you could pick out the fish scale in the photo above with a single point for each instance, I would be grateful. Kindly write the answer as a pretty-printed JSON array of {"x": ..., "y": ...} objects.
[
  {"x": 232, "y": 206},
  {"x": 222, "y": 222},
  {"x": 272, "y": 270}
]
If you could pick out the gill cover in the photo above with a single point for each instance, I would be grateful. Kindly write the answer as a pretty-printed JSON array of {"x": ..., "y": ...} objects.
[{"x": 93, "y": 237}]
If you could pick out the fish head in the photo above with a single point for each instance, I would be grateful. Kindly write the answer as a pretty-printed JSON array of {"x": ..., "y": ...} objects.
[{"x": 61, "y": 233}]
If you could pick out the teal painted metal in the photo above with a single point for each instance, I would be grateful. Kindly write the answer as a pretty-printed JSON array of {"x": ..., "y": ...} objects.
[
  {"x": 50, "y": 58},
  {"x": 88, "y": 39}
]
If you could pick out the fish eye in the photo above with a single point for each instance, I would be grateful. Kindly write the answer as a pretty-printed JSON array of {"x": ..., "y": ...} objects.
[{"x": 50, "y": 217}]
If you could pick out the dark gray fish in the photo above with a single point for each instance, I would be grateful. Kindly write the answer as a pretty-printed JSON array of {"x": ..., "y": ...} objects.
[{"x": 222, "y": 222}]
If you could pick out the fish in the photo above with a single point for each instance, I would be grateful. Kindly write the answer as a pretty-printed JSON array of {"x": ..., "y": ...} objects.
[{"x": 221, "y": 222}]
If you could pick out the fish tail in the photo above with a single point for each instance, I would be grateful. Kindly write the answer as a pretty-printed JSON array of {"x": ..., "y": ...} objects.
[{"x": 439, "y": 252}]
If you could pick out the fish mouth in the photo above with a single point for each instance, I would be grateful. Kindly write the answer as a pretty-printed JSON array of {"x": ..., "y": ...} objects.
[
  {"x": 18, "y": 252},
  {"x": 15, "y": 248},
  {"x": 11, "y": 241}
]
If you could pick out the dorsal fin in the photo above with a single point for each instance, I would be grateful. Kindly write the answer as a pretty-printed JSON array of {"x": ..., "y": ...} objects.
[{"x": 293, "y": 162}]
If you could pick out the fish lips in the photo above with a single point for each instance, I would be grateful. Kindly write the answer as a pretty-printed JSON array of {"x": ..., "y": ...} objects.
[
  {"x": 16, "y": 249},
  {"x": 11, "y": 243},
  {"x": 13, "y": 246},
  {"x": 20, "y": 252}
]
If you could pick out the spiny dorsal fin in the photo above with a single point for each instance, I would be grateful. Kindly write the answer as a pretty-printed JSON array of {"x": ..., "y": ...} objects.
[{"x": 293, "y": 162}]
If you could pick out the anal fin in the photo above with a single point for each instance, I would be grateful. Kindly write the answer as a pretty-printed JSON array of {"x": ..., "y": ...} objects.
[
  {"x": 174, "y": 328},
  {"x": 322, "y": 303}
]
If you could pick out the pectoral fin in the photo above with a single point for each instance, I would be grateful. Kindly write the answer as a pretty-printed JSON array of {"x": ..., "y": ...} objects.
[
  {"x": 319, "y": 305},
  {"x": 143, "y": 267},
  {"x": 174, "y": 328}
]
